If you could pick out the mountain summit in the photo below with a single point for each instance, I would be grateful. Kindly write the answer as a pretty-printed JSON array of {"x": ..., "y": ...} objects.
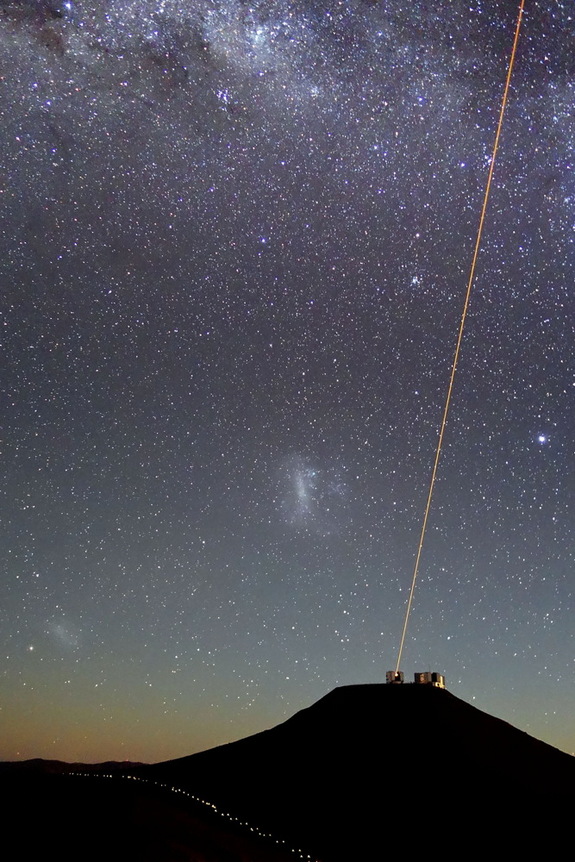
[{"x": 369, "y": 760}]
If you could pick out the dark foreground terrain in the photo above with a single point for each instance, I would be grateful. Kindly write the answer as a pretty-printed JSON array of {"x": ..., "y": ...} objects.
[{"x": 366, "y": 772}]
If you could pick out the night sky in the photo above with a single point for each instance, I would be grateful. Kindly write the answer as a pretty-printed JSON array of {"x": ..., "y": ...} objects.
[{"x": 234, "y": 244}]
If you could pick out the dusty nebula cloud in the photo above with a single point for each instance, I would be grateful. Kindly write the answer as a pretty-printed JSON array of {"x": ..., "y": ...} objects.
[{"x": 314, "y": 498}]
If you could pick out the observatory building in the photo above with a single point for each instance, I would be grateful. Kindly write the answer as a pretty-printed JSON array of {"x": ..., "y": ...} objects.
[{"x": 427, "y": 677}]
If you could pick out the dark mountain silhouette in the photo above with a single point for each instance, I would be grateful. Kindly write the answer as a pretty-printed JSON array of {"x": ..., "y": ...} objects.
[
  {"x": 367, "y": 771},
  {"x": 368, "y": 761},
  {"x": 37, "y": 766}
]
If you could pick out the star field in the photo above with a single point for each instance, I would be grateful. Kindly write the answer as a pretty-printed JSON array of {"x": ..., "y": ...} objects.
[{"x": 233, "y": 251}]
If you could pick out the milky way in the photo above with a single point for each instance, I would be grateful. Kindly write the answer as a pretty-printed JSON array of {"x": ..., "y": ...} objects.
[{"x": 234, "y": 246}]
